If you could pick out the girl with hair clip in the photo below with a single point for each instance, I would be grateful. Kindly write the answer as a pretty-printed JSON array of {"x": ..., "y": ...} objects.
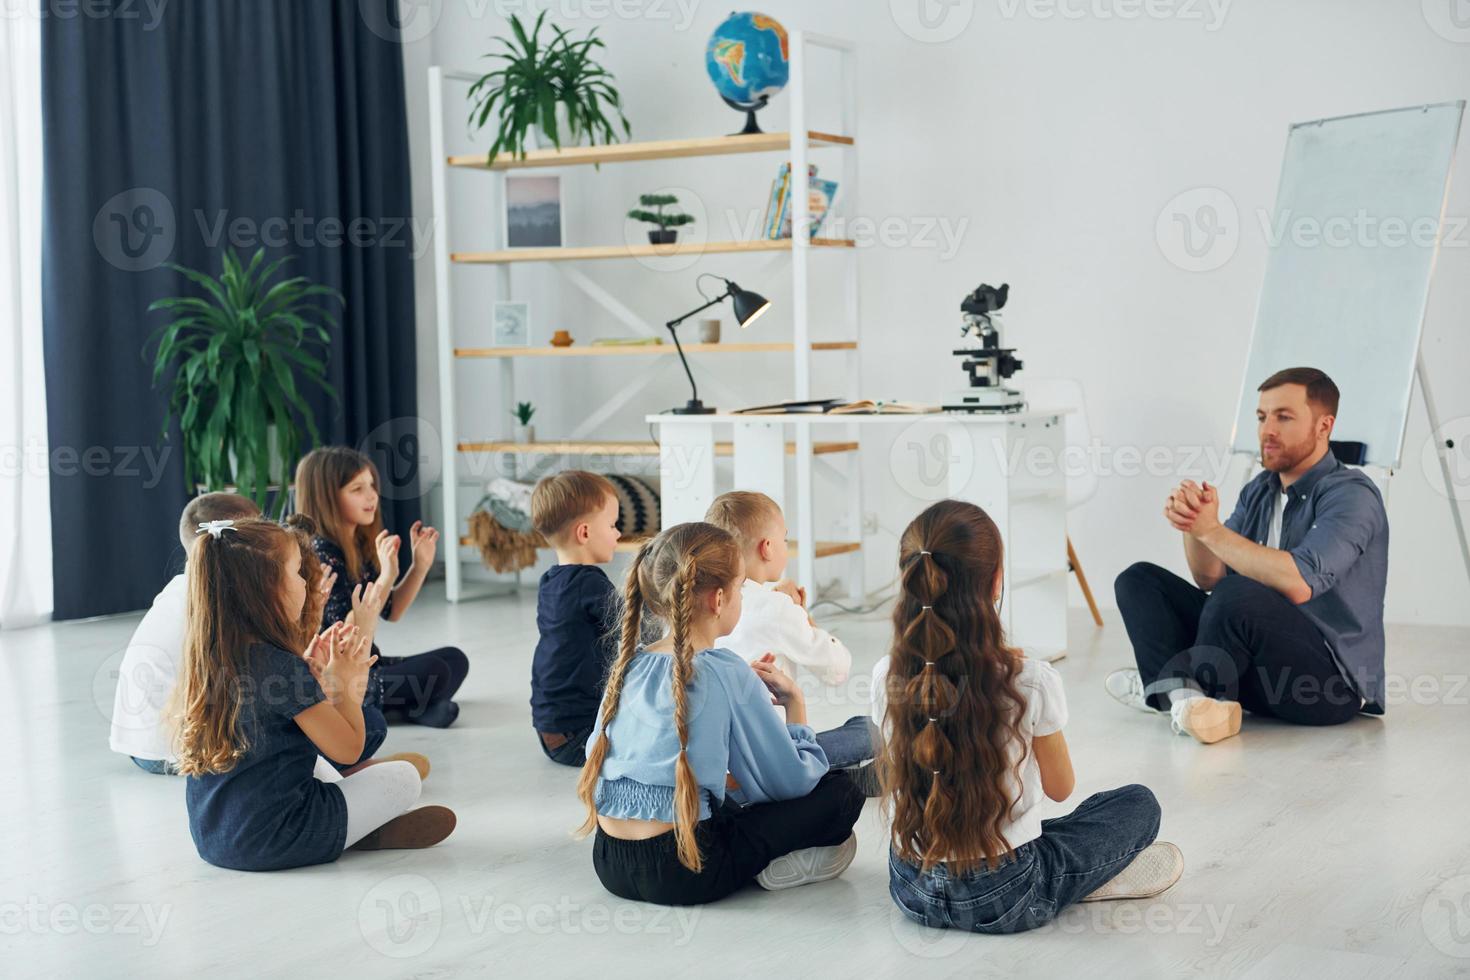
[
  {"x": 973, "y": 741},
  {"x": 337, "y": 487},
  {"x": 677, "y": 716},
  {"x": 259, "y": 696}
]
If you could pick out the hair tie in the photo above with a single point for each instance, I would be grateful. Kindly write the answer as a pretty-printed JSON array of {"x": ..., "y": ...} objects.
[
  {"x": 216, "y": 528},
  {"x": 923, "y": 551},
  {"x": 925, "y": 607}
]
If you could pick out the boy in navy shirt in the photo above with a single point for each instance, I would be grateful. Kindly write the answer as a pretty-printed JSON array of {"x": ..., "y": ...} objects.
[{"x": 576, "y": 610}]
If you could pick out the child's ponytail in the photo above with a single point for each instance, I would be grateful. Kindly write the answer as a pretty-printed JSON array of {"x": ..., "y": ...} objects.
[
  {"x": 953, "y": 715},
  {"x": 686, "y": 787},
  {"x": 629, "y": 630}
]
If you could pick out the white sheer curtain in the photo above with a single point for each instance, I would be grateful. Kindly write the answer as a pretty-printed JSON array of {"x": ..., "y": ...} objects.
[{"x": 25, "y": 507}]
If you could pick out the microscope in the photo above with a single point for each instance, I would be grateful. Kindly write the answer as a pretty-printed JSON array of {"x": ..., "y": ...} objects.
[{"x": 988, "y": 364}]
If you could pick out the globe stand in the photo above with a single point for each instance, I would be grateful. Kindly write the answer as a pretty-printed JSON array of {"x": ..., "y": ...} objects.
[{"x": 749, "y": 108}]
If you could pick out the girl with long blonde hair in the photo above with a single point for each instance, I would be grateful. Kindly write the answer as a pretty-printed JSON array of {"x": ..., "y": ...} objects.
[
  {"x": 973, "y": 741},
  {"x": 260, "y": 694},
  {"x": 678, "y": 716}
]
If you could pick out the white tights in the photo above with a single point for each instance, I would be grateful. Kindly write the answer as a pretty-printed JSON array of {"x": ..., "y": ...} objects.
[{"x": 375, "y": 794}]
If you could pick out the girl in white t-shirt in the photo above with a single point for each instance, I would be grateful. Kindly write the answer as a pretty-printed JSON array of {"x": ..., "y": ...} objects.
[{"x": 973, "y": 740}]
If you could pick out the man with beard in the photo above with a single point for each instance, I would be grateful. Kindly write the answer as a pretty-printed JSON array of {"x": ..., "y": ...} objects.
[{"x": 1287, "y": 618}]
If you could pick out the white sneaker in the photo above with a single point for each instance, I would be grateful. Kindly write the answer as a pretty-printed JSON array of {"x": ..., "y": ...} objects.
[
  {"x": 1209, "y": 720},
  {"x": 808, "y": 866},
  {"x": 1126, "y": 687},
  {"x": 1152, "y": 871}
]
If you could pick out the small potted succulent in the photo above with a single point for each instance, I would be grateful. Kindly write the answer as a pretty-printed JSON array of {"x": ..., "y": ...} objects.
[
  {"x": 523, "y": 413},
  {"x": 667, "y": 222}
]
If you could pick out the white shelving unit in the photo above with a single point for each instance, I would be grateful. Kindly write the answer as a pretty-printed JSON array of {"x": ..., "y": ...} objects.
[{"x": 806, "y": 454}]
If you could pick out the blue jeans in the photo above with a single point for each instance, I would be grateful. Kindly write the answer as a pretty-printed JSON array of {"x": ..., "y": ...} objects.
[
  {"x": 159, "y": 767},
  {"x": 849, "y": 745},
  {"x": 1074, "y": 856}
]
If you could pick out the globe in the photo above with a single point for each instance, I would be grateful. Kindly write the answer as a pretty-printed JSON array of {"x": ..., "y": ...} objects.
[{"x": 748, "y": 59}]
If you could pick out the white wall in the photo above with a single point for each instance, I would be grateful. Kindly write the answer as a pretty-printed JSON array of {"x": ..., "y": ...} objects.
[{"x": 1052, "y": 136}]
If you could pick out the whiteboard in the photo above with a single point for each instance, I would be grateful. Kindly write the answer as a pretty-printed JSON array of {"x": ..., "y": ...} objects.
[{"x": 1352, "y": 244}]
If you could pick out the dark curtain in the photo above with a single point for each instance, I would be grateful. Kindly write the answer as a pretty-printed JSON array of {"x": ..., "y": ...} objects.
[{"x": 170, "y": 137}]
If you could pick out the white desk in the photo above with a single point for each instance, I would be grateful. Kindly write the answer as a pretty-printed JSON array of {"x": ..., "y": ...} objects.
[{"x": 1011, "y": 465}]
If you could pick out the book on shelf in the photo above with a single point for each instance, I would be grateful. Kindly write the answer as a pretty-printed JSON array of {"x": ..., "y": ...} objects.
[
  {"x": 820, "y": 194},
  {"x": 627, "y": 341}
]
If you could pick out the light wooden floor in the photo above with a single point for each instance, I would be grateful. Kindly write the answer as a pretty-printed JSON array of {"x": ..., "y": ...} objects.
[{"x": 1340, "y": 852}]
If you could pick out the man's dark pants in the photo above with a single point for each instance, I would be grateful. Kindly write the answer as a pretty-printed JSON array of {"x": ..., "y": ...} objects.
[{"x": 1243, "y": 642}]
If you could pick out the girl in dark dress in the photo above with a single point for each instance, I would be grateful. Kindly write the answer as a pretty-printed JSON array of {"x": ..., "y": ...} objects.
[
  {"x": 337, "y": 488},
  {"x": 259, "y": 697}
]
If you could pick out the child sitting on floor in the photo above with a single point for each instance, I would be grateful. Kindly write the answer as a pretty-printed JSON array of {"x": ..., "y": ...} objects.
[
  {"x": 151, "y": 664},
  {"x": 576, "y": 610},
  {"x": 973, "y": 741},
  {"x": 680, "y": 716},
  {"x": 774, "y": 626},
  {"x": 258, "y": 697}
]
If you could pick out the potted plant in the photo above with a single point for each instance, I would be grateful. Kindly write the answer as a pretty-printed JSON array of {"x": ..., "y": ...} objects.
[
  {"x": 665, "y": 233},
  {"x": 552, "y": 90},
  {"x": 236, "y": 353},
  {"x": 523, "y": 413}
]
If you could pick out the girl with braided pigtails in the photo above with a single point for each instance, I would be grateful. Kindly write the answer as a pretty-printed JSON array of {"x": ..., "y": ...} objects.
[
  {"x": 676, "y": 718},
  {"x": 973, "y": 740}
]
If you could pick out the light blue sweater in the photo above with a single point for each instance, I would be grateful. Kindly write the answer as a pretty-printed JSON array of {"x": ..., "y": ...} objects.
[{"x": 732, "y": 728}]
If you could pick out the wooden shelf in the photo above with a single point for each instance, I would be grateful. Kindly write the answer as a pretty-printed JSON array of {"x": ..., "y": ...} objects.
[
  {"x": 633, "y": 350},
  {"x": 579, "y": 447},
  {"x": 825, "y": 549},
  {"x": 577, "y": 253},
  {"x": 704, "y": 146}
]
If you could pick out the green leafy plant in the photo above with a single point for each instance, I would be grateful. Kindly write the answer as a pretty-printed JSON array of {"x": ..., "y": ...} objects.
[
  {"x": 236, "y": 352},
  {"x": 664, "y": 220},
  {"x": 536, "y": 77},
  {"x": 523, "y": 412}
]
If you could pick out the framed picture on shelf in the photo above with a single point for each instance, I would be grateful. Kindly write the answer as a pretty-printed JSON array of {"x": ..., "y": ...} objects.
[
  {"x": 533, "y": 211},
  {"x": 511, "y": 325}
]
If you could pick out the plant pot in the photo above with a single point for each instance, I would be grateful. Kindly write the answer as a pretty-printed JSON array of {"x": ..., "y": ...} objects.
[
  {"x": 663, "y": 236},
  {"x": 563, "y": 130},
  {"x": 526, "y": 434}
]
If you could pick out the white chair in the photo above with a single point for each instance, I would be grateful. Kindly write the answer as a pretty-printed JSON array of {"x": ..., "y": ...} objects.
[{"x": 1081, "y": 481}]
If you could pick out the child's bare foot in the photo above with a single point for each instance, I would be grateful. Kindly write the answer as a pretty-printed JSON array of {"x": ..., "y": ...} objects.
[
  {"x": 424, "y": 827},
  {"x": 419, "y": 762}
]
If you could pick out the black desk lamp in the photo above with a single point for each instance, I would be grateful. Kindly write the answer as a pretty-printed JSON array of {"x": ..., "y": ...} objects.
[{"x": 747, "y": 305}]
